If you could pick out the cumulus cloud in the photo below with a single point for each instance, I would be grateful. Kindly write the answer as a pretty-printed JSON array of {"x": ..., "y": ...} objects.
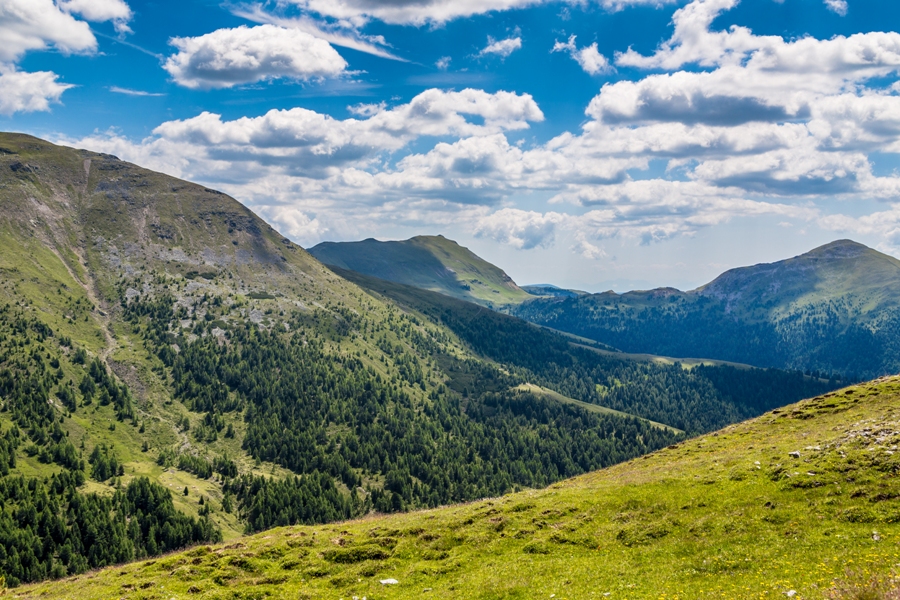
[
  {"x": 99, "y": 11},
  {"x": 519, "y": 228},
  {"x": 501, "y": 48},
  {"x": 586, "y": 249},
  {"x": 293, "y": 221},
  {"x": 28, "y": 92},
  {"x": 40, "y": 24},
  {"x": 28, "y": 25},
  {"x": 229, "y": 57},
  {"x": 884, "y": 224},
  {"x": 588, "y": 57},
  {"x": 837, "y": 6}
]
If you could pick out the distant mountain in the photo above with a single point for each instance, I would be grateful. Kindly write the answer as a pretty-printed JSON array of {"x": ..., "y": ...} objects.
[
  {"x": 546, "y": 289},
  {"x": 428, "y": 262},
  {"x": 833, "y": 309}
]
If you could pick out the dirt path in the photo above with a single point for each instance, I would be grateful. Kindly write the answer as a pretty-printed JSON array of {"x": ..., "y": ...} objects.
[{"x": 102, "y": 317}]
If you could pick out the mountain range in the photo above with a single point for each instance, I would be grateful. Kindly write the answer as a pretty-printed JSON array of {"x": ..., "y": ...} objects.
[
  {"x": 835, "y": 309},
  {"x": 173, "y": 371}
]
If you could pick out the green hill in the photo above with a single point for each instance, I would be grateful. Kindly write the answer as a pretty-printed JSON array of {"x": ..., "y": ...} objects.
[
  {"x": 428, "y": 262},
  {"x": 174, "y": 371},
  {"x": 835, "y": 309},
  {"x": 800, "y": 502}
]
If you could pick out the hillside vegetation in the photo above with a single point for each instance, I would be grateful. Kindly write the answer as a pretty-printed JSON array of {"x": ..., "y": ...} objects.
[
  {"x": 831, "y": 310},
  {"x": 800, "y": 502},
  {"x": 172, "y": 370},
  {"x": 428, "y": 262}
]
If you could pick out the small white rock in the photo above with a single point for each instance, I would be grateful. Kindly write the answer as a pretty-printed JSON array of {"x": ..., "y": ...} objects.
[
  {"x": 790, "y": 593},
  {"x": 390, "y": 581}
]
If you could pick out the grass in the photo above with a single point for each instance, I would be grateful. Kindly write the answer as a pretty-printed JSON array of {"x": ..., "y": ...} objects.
[
  {"x": 595, "y": 408},
  {"x": 429, "y": 262},
  {"x": 728, "y": 515}
]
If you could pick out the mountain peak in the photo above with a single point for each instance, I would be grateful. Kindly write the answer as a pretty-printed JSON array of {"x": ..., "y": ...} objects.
[
  {"x": 431, "y": 262},
  {"x": 839, "y": 249}
]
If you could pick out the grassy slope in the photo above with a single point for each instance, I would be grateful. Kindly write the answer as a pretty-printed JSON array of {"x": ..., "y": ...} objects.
[
  {"x": 726, "y": 515},
  {"x": 429, "y": 262}
]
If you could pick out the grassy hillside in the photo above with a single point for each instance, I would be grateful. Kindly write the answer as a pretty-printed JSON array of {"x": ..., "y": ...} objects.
[
  {"x": 799, "y": 502},
  {"x": 428, "y": 262},
  {"x": 835, "y": 309}
]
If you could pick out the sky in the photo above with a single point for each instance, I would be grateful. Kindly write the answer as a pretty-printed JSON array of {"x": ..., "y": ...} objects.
[{"x": 591, "y": 144}]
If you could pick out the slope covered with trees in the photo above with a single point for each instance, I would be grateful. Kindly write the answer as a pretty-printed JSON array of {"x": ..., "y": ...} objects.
[
  {"x": 833, "y": 310},
  {"x": 798, "y": 503}
]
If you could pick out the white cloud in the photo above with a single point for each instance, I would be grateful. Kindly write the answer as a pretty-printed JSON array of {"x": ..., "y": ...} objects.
[
  {"x": 120, "y": 90},
  {"x": 431, "y": 113},
  {"x": 28, "y": 25},
  {"x": 617, "y": 5},
  {"x": 519, "y": 228},
  {"x": 882, "y": 224},
  {"x": 99, "y": 11},
  {"x": 857, "y": 57},
  {"x": 342, "y": 33},
  {"x": 406, "y": 12},
  {"x": 443, "y": 63},
  {"x": 229, "y": 57},
  {"x": 838, "y": 6},
  {"x": 587, "y": 249},
  {"x": 28, "y": 92},
  {"x": 293, "y": 222},
  {"x": 588, "y": 57},
  {"x": 37, "y": 25},
  {"x": 502, "y": 48}
]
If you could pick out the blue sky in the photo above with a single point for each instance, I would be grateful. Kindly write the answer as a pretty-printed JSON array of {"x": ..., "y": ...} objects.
[{"x": 595, "y": 144}]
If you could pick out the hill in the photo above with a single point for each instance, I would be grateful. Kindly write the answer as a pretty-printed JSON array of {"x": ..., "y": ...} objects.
[
  {"x": 173, "y": 370},
  {"x": 428, "y": 262},
  {"x": 835, "y": 309},
  {"x": 546, "y": 289},
  {"x": 796, "y": 503}
]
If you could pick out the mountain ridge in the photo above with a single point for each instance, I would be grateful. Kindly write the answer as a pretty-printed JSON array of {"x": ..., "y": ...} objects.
[
  {"x": 430, "y": 262},
  {"x": 834, "y": 309}
]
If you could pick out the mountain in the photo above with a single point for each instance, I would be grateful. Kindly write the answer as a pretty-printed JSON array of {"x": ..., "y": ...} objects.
[
  {"x": 799, "y": 502},
  {"x": 546, "y": 289},
  {"x": 174, "y": 372},
  {"x": 428, "y": 262},
  {"x": 835, "y": 309}
]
